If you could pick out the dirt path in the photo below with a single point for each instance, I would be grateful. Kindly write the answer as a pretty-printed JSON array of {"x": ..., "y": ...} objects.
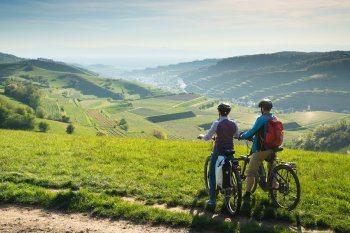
[
  {"x": 21, "y": 219},
  {"x": 28, "y": 219},
  {"x": 238, "y": 219}
]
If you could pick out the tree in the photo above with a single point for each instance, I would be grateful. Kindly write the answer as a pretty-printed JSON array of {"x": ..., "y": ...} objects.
[
  {"x": 70, "y": 129},
  {"x": 123, "y": 124},
  {"x": 40, "y": 112},
  {"x": 44, "y": 127}
]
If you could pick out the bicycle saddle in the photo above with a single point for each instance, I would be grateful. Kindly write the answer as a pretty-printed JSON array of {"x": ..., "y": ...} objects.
[{"x": 228, "y": 152}]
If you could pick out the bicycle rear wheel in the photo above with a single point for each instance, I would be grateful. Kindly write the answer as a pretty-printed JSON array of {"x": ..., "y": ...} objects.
[
  {"x": 233, "y": 197},
  {"x": 284, "y": 187}
]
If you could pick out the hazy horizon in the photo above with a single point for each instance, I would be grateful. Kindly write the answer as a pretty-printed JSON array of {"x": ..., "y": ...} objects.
[{"x": 140, "y": 33}]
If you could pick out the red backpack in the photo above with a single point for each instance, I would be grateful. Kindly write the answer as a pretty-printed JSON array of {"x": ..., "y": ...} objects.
[{"x": 274, "y": 135}]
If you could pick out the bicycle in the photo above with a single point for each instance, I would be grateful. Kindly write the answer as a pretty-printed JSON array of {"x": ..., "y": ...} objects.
[
  {"x": 282, "y": 181},
  {"x": 232, "y": 185}
]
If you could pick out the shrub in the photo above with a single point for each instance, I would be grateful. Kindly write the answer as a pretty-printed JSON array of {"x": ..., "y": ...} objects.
[
  {"x": 43, "y": 126},
  {"x": 101, "y": 134},
  {"x": 65, "y": 119},
  {"x": 159, "y": 134},
  {"x": 70, "y": 129}
]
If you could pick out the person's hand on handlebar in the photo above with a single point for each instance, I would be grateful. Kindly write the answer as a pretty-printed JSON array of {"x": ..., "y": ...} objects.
[
  {"x": 240, "y": 136},
  {"x": 201, "y": 136}
]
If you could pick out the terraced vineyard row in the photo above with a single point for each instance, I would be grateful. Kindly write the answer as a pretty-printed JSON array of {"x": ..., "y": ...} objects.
[
  {"x": 100, "y": 119},
  {"x": 105, "y": 124},
  {"x": 52, "y": 109},
  {"x": 74, "y": 111}
]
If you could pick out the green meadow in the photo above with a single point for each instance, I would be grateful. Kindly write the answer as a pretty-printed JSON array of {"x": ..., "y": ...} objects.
[{"x": 92, "y": 174}]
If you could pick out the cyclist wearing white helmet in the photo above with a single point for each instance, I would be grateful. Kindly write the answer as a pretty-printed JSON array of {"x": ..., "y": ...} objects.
[
  {"x": 224, "y": 129},
  {"x": 260, "y": 153}
]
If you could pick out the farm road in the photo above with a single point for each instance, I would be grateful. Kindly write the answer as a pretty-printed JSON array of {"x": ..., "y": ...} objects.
[{"x": 30, "y": 219}]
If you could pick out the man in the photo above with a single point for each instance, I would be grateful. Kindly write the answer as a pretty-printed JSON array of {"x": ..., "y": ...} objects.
[
  {"x": 259, "y": 150},
  {"x": 225, "y": 129}
]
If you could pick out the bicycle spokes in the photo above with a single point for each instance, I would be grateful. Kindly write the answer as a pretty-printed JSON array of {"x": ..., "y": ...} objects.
[{"x": 285, "y": 190}]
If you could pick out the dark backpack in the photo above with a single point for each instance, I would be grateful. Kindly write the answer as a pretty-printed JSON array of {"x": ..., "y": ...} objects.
[{"x": 274, "y": 135}]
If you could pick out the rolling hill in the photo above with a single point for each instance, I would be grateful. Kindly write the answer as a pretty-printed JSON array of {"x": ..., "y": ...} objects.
[
  {"x": 295, "y": 81},
  {"x": 51, "y": 74}
]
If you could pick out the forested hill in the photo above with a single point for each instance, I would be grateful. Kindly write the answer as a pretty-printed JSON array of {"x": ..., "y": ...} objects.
[
  {"x": 9, "y": 58},
  {"x": 294, "y": 80}
]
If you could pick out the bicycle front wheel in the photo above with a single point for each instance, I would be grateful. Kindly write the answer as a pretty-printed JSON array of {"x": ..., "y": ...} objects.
[
  {"x": 233, "y": 197},
  {"x": 206, "y": 174},
  {"x": 243, "y": 167},
  {"x": 284, "y": 187}
]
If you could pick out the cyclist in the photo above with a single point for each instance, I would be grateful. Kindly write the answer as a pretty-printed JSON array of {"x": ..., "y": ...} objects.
[
  {"x": 224, "y": 129},
  {"x": 260, "y": 152}
]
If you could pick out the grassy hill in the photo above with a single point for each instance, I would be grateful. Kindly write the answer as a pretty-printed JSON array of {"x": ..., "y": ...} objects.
[
  {"x": 94, "y": 175},
  {"x": 294, "y": 80},
  {"x": 51, "y": 74}
]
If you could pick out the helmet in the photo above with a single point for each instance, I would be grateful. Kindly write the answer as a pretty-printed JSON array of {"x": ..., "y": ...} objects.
[
  {"x": 224, "y": 109},
  {"x": 265, "y": 104}
]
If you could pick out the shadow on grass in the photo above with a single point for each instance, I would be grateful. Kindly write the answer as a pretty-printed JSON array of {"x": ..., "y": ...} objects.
[{"x": 207, "y": 220}]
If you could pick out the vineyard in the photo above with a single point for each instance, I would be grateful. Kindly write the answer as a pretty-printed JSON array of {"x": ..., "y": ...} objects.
[
  {"x": 106, "y": 125},
  {"x": 52, "y": 109},
  {"x": 73, "y": 110},
  {"x": 104, "y": 170}
]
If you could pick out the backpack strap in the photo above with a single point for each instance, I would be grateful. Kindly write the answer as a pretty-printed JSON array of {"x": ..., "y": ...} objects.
[{"x": 269, "y": 118}]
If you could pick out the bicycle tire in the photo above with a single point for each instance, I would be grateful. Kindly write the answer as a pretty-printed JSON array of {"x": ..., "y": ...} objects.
[
  {"x": 243, "y": 177},
  {"x": 206, "y": 176},
  {"x": 284, "y": 175},
  {"x": 233, "y": 200}
]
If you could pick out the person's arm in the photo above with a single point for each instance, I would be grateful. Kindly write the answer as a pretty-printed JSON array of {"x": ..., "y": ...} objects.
[
  {"x": 236, "y": 135},
  {"x": 211, "y": 131},
  {"x": 258, "y": 124}
]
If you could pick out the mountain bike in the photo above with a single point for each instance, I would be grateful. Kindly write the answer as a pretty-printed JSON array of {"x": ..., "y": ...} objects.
[
  {"x": 282, "y": 181},
  {"x": 231, "y": 185}
]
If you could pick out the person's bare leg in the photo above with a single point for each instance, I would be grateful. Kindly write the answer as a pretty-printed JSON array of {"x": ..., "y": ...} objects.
[{"x": 250, "y": 183}]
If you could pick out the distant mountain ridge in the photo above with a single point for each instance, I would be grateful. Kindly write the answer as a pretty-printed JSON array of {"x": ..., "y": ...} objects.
[{"x": 293, "y": 80}]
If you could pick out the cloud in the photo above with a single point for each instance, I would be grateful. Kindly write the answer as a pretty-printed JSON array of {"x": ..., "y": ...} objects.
[{"x": 196, "y": 26}]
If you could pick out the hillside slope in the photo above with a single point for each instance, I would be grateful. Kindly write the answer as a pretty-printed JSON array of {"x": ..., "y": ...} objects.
[
  {"x": 294, "y": 80},
  {"x": 51, "y": 74},
  {"x": 43, "y": 169}
]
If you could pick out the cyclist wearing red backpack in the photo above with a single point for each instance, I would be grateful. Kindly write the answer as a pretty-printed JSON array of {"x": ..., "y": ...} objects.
[{"x": 267, "y": 133}]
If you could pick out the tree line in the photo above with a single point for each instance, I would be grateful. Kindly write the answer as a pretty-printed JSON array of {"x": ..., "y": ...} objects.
[{"x": 326, "y": 137}]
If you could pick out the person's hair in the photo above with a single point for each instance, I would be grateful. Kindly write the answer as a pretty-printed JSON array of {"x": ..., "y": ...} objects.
[{"x": 224, "y": 109}]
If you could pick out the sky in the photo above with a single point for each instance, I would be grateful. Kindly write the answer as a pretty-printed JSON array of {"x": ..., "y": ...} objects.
[{"x": 142, "y": 33}]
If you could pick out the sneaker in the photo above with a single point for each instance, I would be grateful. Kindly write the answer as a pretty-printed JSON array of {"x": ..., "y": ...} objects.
[
  {"x": 210, "y": 206},
  {"x": 246, "y": 196},
  {"x": 210, "y": 203}
]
